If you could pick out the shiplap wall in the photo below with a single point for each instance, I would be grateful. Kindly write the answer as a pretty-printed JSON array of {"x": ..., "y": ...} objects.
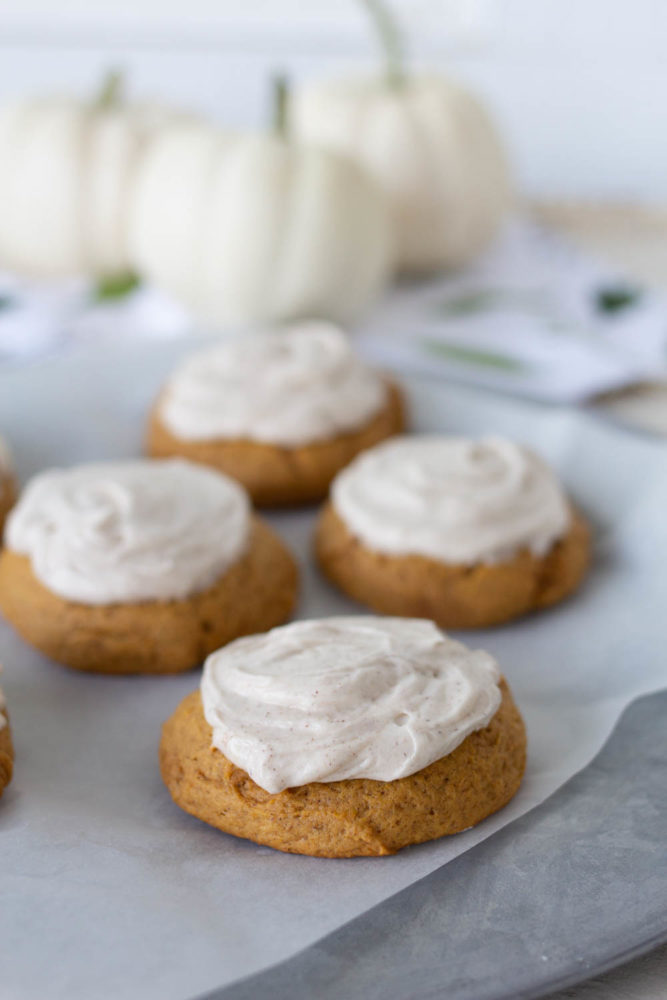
[{"x": 579, "y": 86}]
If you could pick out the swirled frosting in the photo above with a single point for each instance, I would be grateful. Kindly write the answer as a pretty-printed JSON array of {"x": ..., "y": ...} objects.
[
  {"x": 286, "y": 387},
  {"x": 360, "y": 697},
  {"x": 130, "y": 531},
  {"x": 453, "y": 499}
]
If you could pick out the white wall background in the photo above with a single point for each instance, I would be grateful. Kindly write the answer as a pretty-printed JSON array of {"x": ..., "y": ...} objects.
[{"x": 579, "y": 86}]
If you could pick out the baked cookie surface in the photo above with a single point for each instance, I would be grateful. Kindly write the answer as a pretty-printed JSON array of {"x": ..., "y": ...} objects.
[
  {"x": 344, "y": 736},
  {"x": 140, "y": 566},
  {"x": 454, "y": 596},
  {"x": 256, "y": 592},
  {"x": 352, "y": 817},
  {"x": 280, "y": 411},
  {"x": 276, "y": 475},
  {"x": 468, "y": 532}
]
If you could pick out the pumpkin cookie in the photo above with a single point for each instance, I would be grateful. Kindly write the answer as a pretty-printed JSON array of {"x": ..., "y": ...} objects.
[
  {"x": 280, "y": 412},
  {"x": 468, "y": 533},
  {"x": 7, "y": 485},
  {"x": 140, "y": 567},
  {"x": 365, "y": 735},
  {"x": 6, "y": 747}
]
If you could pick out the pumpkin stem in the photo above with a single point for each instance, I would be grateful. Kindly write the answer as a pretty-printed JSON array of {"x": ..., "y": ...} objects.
[
  {"x": 112, "y": 287},
  {"x": 280, "y": 102},
  {"x": 391, "y": 41},
  {"x": 111, "y": 92}
]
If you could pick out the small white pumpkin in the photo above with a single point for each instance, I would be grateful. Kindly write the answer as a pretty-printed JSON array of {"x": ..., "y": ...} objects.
[
  {"x": 430, "y": 143},
  {"x": 251, "y": 228},
  {"x": 65, "y": 172}
]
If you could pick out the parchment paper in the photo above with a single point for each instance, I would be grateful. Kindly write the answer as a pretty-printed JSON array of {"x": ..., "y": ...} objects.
[{"x": 108, "y": 890}]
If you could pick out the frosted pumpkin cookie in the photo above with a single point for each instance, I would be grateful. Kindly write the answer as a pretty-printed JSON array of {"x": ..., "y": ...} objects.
[
  {"x": 6, "y": 747},
  {"x": 344, "y": 737},
  {"x": 129, "y": 567},
  {"x": 7, "y": 484},
  {"x": 468, "y": 533},
  {"x": 281, "y": 412}
]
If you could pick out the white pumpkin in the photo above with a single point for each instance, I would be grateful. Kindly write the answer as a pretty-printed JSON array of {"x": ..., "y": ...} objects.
[
  {"x": 253, "y": 229},
  {"x": 66, "y": 168},
  {"x": 430, "y": 143}
]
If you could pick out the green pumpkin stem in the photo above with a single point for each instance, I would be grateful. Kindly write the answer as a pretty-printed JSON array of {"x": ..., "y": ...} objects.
[
  {"x": 391, "y": 41},
  {"x": 113, "y": 287},
  {"x": 280, "y": 102},
  {"x": 110, "y": 94}
]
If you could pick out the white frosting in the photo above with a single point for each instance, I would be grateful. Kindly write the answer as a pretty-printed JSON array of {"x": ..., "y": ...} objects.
[
  {"x": 287, "y": 388},
  {"x": 130, "y": 531},
  {"x": 338, "y": 698},
  {"x": 451, "y": 499}
]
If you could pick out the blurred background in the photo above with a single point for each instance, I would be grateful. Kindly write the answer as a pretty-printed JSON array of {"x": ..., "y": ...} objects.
[
  {"x": 577, "y": 92},
  {"x": 578, "y": 88}
]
